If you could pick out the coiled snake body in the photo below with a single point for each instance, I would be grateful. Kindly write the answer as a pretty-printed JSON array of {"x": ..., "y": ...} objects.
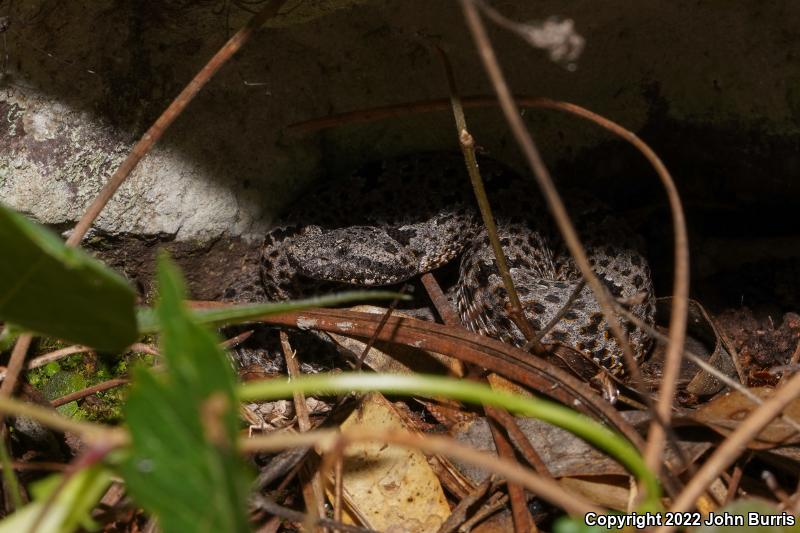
[{"x": 396, "y": 219}]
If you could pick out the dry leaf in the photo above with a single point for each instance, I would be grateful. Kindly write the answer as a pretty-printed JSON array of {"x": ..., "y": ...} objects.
[
  {"x": 704, "y": 340},
  {"x": 564, "y": 454},
  {"x": 606, "y": 491},
  {"x": 387, "y": 487},
  {"x": 724, "y": 414}
]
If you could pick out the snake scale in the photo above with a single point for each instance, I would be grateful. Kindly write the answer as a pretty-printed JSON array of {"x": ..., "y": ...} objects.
[{"x": 396, "y": 219}]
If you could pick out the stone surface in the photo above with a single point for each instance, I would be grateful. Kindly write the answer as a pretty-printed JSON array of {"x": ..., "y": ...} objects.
[{"x": 83, "y": 80}]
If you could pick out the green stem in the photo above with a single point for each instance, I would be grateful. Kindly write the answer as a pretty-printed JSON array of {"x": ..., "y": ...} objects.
[
  {"x": 467, "y": 391},
  {"x": 9, "y": 476}
]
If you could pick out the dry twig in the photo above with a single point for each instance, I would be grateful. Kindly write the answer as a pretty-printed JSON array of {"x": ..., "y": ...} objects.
[
  {"x": 777, "y": 491},
  {"x": 172, "y": 112},
  {"x": 496, "y": 502},
  {"x": 467, "y": 144},
  {"x": 447, "y": 314},
  {"x": 313, "y": 493},
  {"x": 15, "y": 364},
  {"x": 545, "y": 181},
  {"x": 733, "y": 483},
  {"x": 657, "y": 434},
  {"x": 88, "y": 391},
  {"x": 705, "y": 366},
  {"x": 262, "y": 502},
  {"x": 49, "y": 357},
  {"x": 547, "y": 489},
  {"x": 338, "y": 473},
  {"x": 439, "y": 300},
  {"x": 523, "y": 521},
  {"x": 735, "y": 443},
  {"x": 459, "y": 513},
  {"x": 523, "y": 444},
  {"x": 561, "y": 312},
  {"x": 371, "y": 342},
  {"x": 151, "y": 136},
  {"x": 491, "y": 354},
  {"x": 516, "y": 493}
]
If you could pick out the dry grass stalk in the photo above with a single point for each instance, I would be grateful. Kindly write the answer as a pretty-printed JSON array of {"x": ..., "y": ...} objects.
[
  {"x": 511, "y": 471},
  {"x": 734, "y": 445},
  {"x": 313, "y": 492},
  {"x": 467, "y": 144},
  {"x": 657, "y": 434}
]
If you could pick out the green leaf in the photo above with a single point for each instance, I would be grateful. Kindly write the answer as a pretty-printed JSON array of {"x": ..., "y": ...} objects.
[
  {"x": 8, "y": 336},
  {"x": 235, "y": 314},
  {"x": 51, "y": 289},
  {"x": 183, "y": 465},
  {"x": 567, "y": 524},
  {"x": 69, "y": 510}
]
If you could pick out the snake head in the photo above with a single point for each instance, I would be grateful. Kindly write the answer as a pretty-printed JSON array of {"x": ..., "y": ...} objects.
[{"x": 358, "y": 255}]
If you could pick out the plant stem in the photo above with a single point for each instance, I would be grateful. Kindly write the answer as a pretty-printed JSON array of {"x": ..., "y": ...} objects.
[{"x": 467, "y": 391}]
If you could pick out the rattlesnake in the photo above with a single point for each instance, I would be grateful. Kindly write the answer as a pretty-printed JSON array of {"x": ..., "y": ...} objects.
[{"x": 395, "y": 219}]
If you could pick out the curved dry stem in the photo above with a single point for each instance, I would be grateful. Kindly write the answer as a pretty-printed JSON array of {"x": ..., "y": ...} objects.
[
  {"x": 657, "y": 434},
  {"x": 678, "y": 316},
  {"x": 491, "y": 354},
  {"x": 680, "y": 285},
  {"x": 511, "y": 471}
]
